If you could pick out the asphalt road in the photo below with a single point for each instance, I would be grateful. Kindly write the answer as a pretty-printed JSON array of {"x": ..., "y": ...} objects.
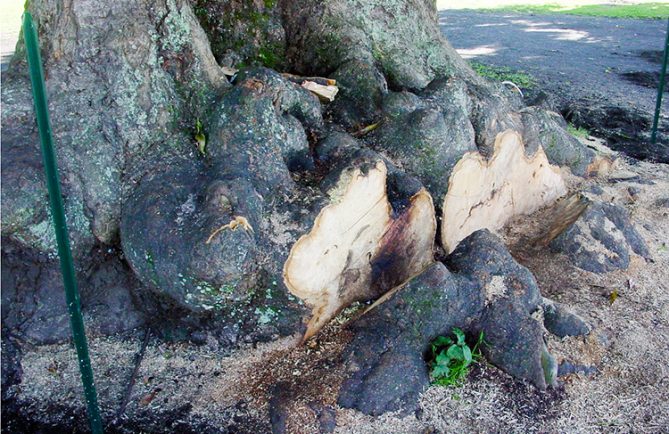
[{"x": 573, "y": 57}]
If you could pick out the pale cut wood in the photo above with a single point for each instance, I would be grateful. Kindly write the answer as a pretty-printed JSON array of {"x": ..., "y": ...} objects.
[
  {"x": 486, "y": 194},
  {"x": 356, "y": 249},
  {"x": 565, "y": 214},
  {"x": 229, "y": 71},
  {"x": 299, "y": 79},
  {"x": 325, "y": 93}
]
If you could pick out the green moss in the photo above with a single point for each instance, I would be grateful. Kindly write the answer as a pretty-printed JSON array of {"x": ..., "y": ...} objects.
[
  {"x": 271, "y": 55},
  {"x": 254, "y": 17},
  {"x": 420, "y": 303},
  {"x": 552, "y": 145},
  {"x": 194, "y": 100},
  {"x": 427, "y": 157},
  {"x": 153, "y": 275},
  {"x": 578, "y": 132},
  {"x": 329, "y": 50},
  {"x": 266, "y": 315},
  {"x": 148, "y": 257},
  {"x": 244, "y": 28},
  {"x": 219, "y": 294},
  {"x": 211, "y": 297},
  {"x": 378, "y": 54}
]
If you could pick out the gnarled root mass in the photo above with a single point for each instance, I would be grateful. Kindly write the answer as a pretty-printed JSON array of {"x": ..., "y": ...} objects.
[
  {"x": 482, "y": 290},
  {"x": 238, "y": 202},
  {"x": 208, "y": 225}
]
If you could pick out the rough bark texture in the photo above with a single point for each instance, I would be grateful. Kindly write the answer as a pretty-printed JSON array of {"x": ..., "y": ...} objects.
[
  {"x": 378, "y": 48},
  {"x": 484, "y": 291},
  {"x": 601, "y": 239},
  {"x": 123, "y": 92},
  {"x": 170, "y": 228}
]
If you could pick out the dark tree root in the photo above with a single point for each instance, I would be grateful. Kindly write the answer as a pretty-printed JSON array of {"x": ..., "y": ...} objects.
[
  {"x": 601, "y": 239},
  {"x": 210, "y": 232},
  {"x": 213, "y": 233},
  {"x": 484, "y": 291}
]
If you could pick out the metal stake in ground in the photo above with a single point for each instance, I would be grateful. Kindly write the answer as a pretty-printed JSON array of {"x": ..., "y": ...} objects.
[
  {"x": 59, "y": 223},
  {"x": 660, "y": 89}
]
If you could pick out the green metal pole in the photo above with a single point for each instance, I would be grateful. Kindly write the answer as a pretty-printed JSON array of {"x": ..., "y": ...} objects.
[
  {"x": 59, "y": 223},
  {"x": 660, "y": 89}
]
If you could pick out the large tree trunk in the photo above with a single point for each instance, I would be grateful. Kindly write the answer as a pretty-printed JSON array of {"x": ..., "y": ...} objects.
[{"x": 211, "y": 232}]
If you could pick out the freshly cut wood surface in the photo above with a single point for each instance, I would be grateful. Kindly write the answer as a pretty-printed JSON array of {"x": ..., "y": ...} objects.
[
  {"x": 326, "y": 93},
  {"x": 356, "y": 249},
  {"x": 565, "y": 214},
  {"x": 486, "y": 194}
]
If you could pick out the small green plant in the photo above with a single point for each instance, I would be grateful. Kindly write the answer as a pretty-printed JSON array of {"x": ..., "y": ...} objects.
[
  {"x": 450, "y": 359},
  {"x": 579, "y": 132},
  {"x": 502, "y": 73}
]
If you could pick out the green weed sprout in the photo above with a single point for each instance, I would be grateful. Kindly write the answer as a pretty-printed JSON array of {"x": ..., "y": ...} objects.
[{"x": 450, "y": 359}]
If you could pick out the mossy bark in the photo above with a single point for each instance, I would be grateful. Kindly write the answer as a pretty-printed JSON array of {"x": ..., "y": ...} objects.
[{"x": 125, "y": 83}]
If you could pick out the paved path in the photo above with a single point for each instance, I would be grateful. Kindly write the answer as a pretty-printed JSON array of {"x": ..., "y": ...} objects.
[
  {"x": 573, "y": 57},
  {"x": 10, "y": 24}
]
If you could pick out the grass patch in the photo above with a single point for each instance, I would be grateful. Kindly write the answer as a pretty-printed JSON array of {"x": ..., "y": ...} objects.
[
  {"x": 503, "y": 73},
  {"x": 637, "y": 11},
  {"x": 578, "y": 132},
  {"x": 450, "y": 359}
]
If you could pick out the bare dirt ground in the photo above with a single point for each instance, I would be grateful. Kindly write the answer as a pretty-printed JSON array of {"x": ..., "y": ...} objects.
[{"x": 628, "y": 350}]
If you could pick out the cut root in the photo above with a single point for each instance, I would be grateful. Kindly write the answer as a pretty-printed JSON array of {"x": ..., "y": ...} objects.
[
  {"x": 325, "y": 93},
  {"x": 486, "y": 194},
  {"x": 565, "y": 214},
  {"x": 357, "y": 249}
]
